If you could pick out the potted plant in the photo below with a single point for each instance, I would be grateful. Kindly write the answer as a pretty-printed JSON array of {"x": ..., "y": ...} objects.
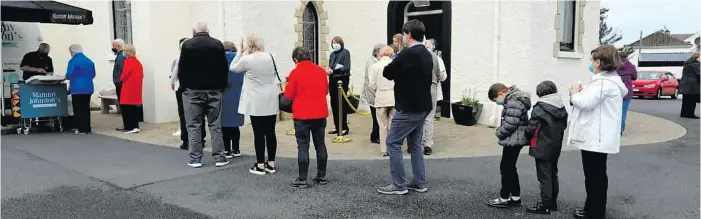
[{"x": 467, "y": 111}]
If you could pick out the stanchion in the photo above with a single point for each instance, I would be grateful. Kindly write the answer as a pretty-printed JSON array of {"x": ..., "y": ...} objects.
[
  {"x": 340, "y": 138},
  {"x": 290, "y": 132}
]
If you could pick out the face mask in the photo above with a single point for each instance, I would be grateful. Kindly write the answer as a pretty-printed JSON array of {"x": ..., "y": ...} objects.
[
  {"x": 591, "y": 68},
  {"x": 500, "y": 103},
  {"x": 114, "y": 51},
  {"x": 336, "y": 47}
]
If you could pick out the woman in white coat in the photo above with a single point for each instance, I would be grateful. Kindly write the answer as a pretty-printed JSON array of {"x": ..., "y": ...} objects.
[
  {"x": 384, "y": 95},
  {"x": 595, "y": 126},
  {"x": 259, "y": 98}
]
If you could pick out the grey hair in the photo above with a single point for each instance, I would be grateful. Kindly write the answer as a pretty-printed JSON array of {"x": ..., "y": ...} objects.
[
  {"x": 200, "y": 27},
  {"x": 75, "y": 48},
  {"x": 376, "y": 49},
  {"x": 255, "y": 43},
  {"x": 119, "y": 42}
]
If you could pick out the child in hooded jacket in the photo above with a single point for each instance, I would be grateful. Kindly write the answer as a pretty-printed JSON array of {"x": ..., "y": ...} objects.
[
  {"x": 512, "y": 136},
  {"x": 547, "y": 128}
]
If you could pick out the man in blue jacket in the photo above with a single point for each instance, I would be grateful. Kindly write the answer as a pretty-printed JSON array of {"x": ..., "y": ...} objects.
[
  {"x": 117, "y": 47},
  {"x": 80, "y": 73}
]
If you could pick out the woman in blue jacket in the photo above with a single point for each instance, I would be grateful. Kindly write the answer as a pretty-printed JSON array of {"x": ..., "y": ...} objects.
[
  {"x": 81, "y": 71},
  {"x": 231, "y": 120}
]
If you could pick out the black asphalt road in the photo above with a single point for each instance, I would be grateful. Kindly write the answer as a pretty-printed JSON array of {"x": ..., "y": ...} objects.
[{"x": 66, "y": 176}]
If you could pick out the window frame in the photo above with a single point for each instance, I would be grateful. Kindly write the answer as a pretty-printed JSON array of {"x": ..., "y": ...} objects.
[
  {"x": 115, "y": 32},
  {"x": 576, "y": 51},
  {"x": 317, "y": 31}
]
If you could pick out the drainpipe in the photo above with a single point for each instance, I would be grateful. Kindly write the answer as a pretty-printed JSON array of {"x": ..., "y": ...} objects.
[{"x": 494, "y": 120}]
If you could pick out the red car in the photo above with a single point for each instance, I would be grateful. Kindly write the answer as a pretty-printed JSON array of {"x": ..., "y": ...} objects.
[{"x": 655, "y": 84}]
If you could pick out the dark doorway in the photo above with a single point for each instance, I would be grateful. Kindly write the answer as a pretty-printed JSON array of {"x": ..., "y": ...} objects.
[
  {"x": 437, "y": 19},
  {"x": 310, "y": 31}
]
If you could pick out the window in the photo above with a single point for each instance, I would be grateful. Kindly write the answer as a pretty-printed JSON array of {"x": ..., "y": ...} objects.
[
  {"x": 567, "y": 15},
  {"x": 310, "y": 31},
  {"x": 121, "y": 18}
]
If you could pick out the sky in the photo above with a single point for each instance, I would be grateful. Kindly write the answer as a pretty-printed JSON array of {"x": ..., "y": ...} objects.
[{"x": 630, "y": 17}]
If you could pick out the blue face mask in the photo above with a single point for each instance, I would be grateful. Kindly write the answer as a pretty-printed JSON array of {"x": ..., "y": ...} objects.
[
  {"x": 591, "y": 68},
  {"x": 500, "y": 103}
]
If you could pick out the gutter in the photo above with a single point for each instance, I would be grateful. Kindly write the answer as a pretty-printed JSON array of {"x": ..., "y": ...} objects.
[{"x": 494, "y": 121}]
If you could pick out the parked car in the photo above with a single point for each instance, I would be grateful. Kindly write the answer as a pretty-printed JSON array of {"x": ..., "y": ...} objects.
[{"x": 656, "y": 84}]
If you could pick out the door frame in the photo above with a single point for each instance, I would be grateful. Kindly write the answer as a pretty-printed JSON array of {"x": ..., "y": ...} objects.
[{"x": 396, "y": 15}]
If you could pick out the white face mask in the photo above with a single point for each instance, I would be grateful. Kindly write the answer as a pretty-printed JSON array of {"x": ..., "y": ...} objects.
[{"x": 336, "y": 47}]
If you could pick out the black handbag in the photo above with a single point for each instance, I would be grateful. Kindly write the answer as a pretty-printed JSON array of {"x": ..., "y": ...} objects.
[{"x": 285, "y": 104}]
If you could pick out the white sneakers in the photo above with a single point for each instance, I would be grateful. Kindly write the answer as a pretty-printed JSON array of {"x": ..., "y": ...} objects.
[
  {"x": 176, "y": 133},
  {"x": 133, "y": 131}
]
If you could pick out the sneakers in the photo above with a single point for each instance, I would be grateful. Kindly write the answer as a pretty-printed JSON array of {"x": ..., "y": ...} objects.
[
  {"x": 237, "y": 153},
  {"x": 300, "y": 183},
  {"x": 539, "y": 209},
  {"x": 230, "y": 155},
  {"x": 504, "y": 203},
  {"x": 375, "y": 141},
  {"x": 428, "y": 151},
  {"x": 321, "y": 181},
  {"x": 133, "y": 131},
  {"x": 221, "y": 163},
  {"x": 333, "y": 132},
  {"x": 391, "y": 190},
  {"x": 268, "y": 168},
  {"x": 255, "y": 170},
  {"x": 195, "y": 163},
  {"x": 416, "y": 188}
]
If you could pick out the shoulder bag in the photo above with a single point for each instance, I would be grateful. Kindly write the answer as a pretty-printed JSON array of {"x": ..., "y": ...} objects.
[{"x": 285, "y": 104}]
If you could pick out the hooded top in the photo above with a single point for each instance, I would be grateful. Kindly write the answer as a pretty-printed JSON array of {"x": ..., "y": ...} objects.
[
  {"x": 547, "y": 127},
  {"x": 514, "y": 119},
  {"x": 689, "y": 83},
  {"x": 628, "y": 74},
  {"x": 595, "y": 124}
]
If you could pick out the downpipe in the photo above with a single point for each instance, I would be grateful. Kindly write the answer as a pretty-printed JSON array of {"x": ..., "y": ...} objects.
[{"x": 494, "y": 119}]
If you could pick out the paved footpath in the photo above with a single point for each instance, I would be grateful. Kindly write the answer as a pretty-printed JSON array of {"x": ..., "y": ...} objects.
[{"x": 97, "y": 176}]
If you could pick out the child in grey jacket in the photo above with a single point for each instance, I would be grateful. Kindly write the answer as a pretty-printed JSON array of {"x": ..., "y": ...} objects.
[{"x": 512, "y": 136}]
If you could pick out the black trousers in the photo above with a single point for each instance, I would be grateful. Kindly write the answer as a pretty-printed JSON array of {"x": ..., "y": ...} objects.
[
  {"x": 510, "y": 185},
  {"x": 333, "y": 92},
  {"x": 118, "y": 90},
  {"x": 81, "y": 112},
  {"x": 303, "y": 128},
  {"x": 232, "y": 136},
  {"x": 595, "y": 182},
  {"x": 375, "y": 133},
  {"x": 181, "y": 115},
  {"x": 689, "y": 105},
  {"x": 264, "y": 135},
  {"x": 130, "y": 116},
  {"x": 547, "y": 177}
]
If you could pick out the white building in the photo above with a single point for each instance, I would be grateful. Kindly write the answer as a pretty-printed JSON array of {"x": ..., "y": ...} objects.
[
  {"x": 482, "y": 42},
  {"x": 663, "y": 51}
]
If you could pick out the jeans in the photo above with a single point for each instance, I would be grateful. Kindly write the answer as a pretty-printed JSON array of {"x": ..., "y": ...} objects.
[
  {"x": 81, "y": 111},
  {"x": 374, "y": 134},
  {"x": 198, "y": 105},
  {"x": 427, "y": 140},
  {"x": 264, "y": 135},
  {"x": 232, "y": 136},
  {"x": 407, "y": 126},
  {"x": 546, "y": 171},
  {"x": 626, "y": 103},
  {"x": 181, "y": 115},
  {"x": 510, "y": 185},
  {"x": 595, "y": 183},
  {"x": 303, "y": 128},
  {"x": 384, "y": 117},
  {"x": 130, "y": 116}
]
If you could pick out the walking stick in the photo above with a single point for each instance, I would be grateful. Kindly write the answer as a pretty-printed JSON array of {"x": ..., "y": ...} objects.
[{"x": 340, "y": 138}]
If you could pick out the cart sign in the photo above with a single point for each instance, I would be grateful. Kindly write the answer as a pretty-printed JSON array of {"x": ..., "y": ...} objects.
[{"x": 43, "y": 100}]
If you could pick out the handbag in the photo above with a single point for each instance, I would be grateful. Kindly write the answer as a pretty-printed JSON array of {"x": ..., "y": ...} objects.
[{"x": 285, "y": 104}]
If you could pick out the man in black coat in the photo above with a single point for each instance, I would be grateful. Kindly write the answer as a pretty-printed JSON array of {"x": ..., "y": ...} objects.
[
  {"x": 411, "y": 72},
  {"x": 689, "y": 87}
]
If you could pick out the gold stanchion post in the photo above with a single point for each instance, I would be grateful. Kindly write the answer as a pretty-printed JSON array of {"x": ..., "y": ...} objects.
[{"x": 340, "y": 138}]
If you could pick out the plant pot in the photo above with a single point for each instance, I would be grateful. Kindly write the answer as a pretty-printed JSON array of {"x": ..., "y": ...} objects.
[{"x": 466, "y": 115}]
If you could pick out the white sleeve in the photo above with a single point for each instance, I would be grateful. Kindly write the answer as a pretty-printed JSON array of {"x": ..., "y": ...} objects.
[
  {"x": 590, "y": 96},
  {"x": 238, "y": 65},
  {"x": 441, "y": 67},
  {"x": 174, "y": 71}
]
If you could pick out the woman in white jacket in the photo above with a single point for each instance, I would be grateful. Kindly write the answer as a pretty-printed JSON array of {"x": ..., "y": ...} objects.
[
  {"x": 259, "y": 98},
  {"x": 595, "y": 126},
  {"x": 384, "y": 95}
]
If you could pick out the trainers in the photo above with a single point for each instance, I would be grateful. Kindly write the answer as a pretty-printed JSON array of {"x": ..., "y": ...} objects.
[
  {"x": 221, "y": 163},
  {"x": 417, "y": 188},
  {"x": 539, "y": 209},
  {"x": 133, "y": 131},
  {"x": 428, "y": 151},
  {"x": 321, "y": 181},
  {"x": 255, "y": 170},
  {"x": 195, "y": 163},
  {"x": 268, "y": 168},
  {"x": 237, "y": 153},
  {"x": 391, "y": 190},
  {"x": 300, "y": 183},
  {"x": 228, "y": 155},
  {"x": 500, "y": 203}
]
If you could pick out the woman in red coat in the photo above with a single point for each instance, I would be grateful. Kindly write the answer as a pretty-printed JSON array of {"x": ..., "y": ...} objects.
[{"x": 132, "y": 83}]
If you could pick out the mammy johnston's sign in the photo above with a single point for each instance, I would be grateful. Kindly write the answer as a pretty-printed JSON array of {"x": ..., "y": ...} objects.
[{"x": 43, "y": 100}]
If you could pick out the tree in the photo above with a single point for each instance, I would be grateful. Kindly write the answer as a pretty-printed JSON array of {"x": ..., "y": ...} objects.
[{"x": 606, "y": 33}]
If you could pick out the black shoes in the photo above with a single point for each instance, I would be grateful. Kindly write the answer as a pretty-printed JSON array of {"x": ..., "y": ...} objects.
[
  {"x": 690, "y": 116},
  {"x": 300, "y": 183},
  {"x": 321, "y": 181},
  {"x": 375, "y": 141},
  {"x": 333, "y": 132},
  {"x": 539, "y": 209},
  {"x": 428, "y": 151},
  {"x": 580, "y": 213},
  {"x": 269, "y": 169},
  {"x": 184, "y": 147},
  {"x": 504, "y": 203}
]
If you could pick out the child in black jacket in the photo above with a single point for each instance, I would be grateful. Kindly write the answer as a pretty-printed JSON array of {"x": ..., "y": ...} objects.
[{"x": 546, "y": 128}]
